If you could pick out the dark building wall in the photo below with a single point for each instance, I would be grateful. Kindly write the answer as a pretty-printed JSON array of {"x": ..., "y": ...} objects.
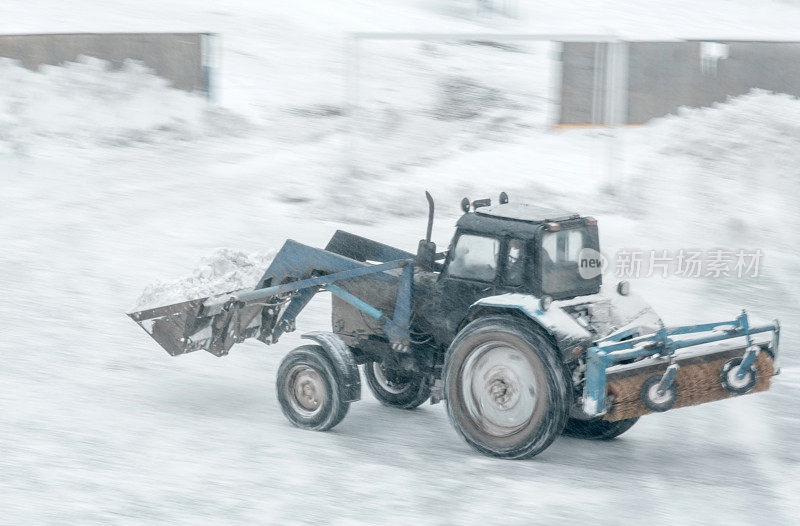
[
  {"x": 579, "y": 87},
  {"x": 177, "y": 57},
  {"x": 663, "y": 76}
]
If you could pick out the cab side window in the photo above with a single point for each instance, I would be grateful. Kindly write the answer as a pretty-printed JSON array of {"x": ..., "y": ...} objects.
[
  {"x": 515, "y": 262},
  {"x": 562, "y": 247},
  {"x": 475, "y": 257}
]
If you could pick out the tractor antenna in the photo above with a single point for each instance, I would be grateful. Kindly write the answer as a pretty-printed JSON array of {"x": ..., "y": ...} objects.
[{"x": 430, "y": 217}]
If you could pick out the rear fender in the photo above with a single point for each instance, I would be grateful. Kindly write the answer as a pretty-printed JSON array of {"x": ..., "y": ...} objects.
[
  {"x": 342, "y": 360},
  {"x": 565, "y": 331}
]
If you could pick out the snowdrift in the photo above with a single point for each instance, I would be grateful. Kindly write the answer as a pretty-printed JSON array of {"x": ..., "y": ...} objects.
[
  {"x": 728, "y": 172},
  {"x": 87, "y": 103}
]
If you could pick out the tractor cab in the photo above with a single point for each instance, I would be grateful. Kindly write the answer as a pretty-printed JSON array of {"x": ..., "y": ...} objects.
[
  {"x": 537, "y": 250},
  {"x": 516, "y": 247}
]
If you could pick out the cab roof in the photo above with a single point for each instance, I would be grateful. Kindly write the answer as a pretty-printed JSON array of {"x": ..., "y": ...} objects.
[
  {"x": 517, "y": 220},
  {"x": 526, "y": 212}
]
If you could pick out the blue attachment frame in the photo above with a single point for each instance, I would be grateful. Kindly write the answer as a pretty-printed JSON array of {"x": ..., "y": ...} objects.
[
  {"x": 216, "y": 323},
  {"x": 610, "y": 351},
  {"x": 262, "y": 294},
  {"x": 396, "y": 328},
  {"x": 354, "y": 301}
]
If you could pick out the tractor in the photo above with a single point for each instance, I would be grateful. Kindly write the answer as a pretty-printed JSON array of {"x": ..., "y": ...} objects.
[{"x": 511, "y": 326}]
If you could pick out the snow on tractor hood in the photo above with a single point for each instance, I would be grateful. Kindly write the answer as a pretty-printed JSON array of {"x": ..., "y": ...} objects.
[
  {"x": 610, "y": 312},
  {"x": 581, "y": 320}
]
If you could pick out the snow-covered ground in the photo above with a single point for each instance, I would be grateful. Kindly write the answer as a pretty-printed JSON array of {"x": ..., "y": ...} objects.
[{"x": 110, "y": 181}]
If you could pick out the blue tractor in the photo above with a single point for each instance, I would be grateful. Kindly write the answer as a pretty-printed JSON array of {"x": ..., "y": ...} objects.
[{"x": 512, "y": 327}]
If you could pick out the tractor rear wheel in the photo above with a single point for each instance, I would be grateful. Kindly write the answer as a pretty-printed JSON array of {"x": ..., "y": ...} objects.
[
  {"x": 309, "y": 389},
  {"x": 506, "y": 389},
  {"x": 597, "y": 429},
  {"x": 394, "y": 388}
]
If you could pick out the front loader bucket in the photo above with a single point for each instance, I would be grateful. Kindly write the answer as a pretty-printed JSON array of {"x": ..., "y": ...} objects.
[
  {"x": 201, "y": 323},
  {"x": 172, "y": 326}
]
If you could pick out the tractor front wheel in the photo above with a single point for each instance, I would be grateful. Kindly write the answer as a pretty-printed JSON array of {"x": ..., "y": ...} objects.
[
  {"x": 396, "y": 389},
  {"x": 506, "y": 389},
  {"x": 309, "y": 389}
]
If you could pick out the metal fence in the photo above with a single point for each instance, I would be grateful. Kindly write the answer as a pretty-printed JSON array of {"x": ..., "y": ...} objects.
[{"x": 186, "y": 60}]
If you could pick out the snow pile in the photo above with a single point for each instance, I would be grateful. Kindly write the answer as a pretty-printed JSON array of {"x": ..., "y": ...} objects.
[
  {"x": 729, "y": 171},
  {"x": 223, "y": 271},
  {"x": 89, "y": 103}
]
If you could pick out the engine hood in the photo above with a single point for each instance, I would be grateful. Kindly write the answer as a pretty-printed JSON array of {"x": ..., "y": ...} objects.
[
  {"x": 609, "y": 312},
  {"x": 582, "y": 320}
]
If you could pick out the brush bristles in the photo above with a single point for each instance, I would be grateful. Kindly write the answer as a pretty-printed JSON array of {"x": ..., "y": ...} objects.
[{"x": 697, "y": 383}]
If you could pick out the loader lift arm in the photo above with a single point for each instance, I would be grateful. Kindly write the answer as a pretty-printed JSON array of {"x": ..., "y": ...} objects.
[{"x": 215, "y": 323}]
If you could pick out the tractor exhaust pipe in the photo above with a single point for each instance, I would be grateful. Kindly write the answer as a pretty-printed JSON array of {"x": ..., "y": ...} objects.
[
  {"x": 426, "y": 251},
  {"x": 430, "y": 217}
]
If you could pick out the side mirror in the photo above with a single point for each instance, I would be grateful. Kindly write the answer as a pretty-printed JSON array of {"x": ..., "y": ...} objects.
[{"x": 426, "y": 255}]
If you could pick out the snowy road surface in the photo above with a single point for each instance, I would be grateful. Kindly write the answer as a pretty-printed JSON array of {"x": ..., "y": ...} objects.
[
  {"x": 102, "y": 196},
  {"x": 100, "y": 425}
]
